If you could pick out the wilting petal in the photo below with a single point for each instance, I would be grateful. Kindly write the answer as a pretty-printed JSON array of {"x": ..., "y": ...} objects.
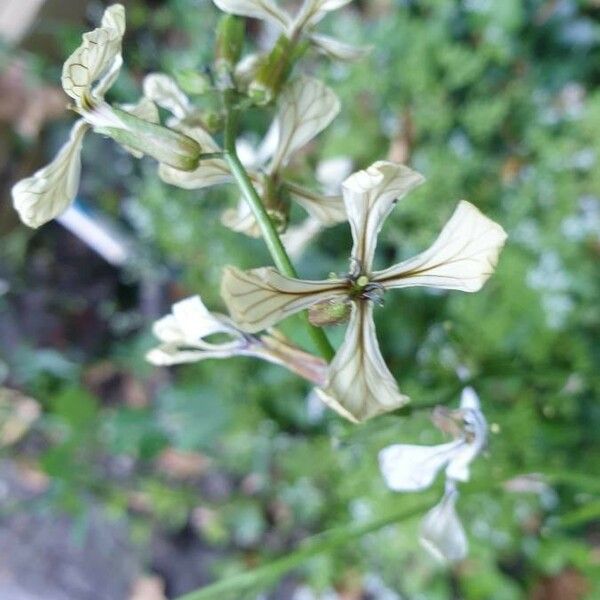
[
  {"x": 339, "y": 50},
  {"x": 183, "y": 335},
  {"x": 409, "y": 468},
  {"x": 276, "y": 348},
  {"x": 144, "y": 109},
  {"x": 462, "y": 258},
  {"x": 306, "y": 107},
  {"x": 474, "y": 437},
  {"x": 442, "y": 532},
  {"x": 312, "y": 11},
  {"x": 359, "y": 380},
  {"x": 257, "y": 9},
  {"x": 164, "y": 91},
  {"x": 114, "y": 17},
  {"x": 369, "y": 197},
  {"x": 50, "y": 191},
  {"x": 259, "y": 298},
  {"x": 213, "y": 171},
  {"x": 98, "y": 58},
  {"x": 328, "y": 210}
]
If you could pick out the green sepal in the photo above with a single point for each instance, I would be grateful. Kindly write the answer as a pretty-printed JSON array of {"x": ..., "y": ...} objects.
[
  {"x": 165, "y": 145},
  {"x": 230, "y": 41}
]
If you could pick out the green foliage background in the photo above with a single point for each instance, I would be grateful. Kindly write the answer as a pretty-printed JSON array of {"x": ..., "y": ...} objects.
[{"x": 495, "y": 102}]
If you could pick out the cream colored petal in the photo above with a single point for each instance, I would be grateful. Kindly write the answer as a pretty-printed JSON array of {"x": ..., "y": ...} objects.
[
  {"x": 462, "y": 258},
  {"x": 276, "y": 348},
  {"x": 328, "y": 210},
  {"x": 359, "y": 380},
  {"x": 196, "y": 321},
  {"x": 167, "y": 356},
  {"x": 442, "y": 532},
  {"x": 50, "y": 191},
  {"x": 335, "y": 49},
  {"x": 297, "y": 238},
  {"x": 312, "y": 11},
  {"x": 259, "y": 298},
  {"x": 257, "y": 9},
  {"x": 190, "y": 323},
  {"x": 114, "y": 17},
  {"x": 213, "y": 171},
  {"x": 164, "y": 91},
  {"x": 306, "y": 107},
  {"x": 108, "y": 79},
  {"x": 474, "y": 438},
  {"x": 369, "y": 197},
  {"x": 98, "y": 55},
  {"x": 144, "y": 109},
  {"x": 410, "y": 468},
  {"x": 241, "y": 220}
]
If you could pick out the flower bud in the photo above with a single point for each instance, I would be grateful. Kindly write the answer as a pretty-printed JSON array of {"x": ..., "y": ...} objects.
[
  {"x": 274, "y": 69},
  {"x": 165, "y": 145},
  {"x": 230, "y": 42}
]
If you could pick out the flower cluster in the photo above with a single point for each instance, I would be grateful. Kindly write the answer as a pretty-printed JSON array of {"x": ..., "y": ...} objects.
[
  {"x": 411, "y": 468},
  {"x": 87, "y": 76},
  {"x": 357, "y": 383}
]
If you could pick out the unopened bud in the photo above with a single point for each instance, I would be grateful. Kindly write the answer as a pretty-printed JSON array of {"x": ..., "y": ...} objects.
[
  {"x": 274, "y": 69},
  {"x": 165, "y": 145},
  {"x": 230, "y": 42}
]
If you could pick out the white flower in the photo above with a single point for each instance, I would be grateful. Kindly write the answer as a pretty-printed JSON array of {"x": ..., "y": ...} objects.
[
  {"x": 305, "y": 108},
  {"x": 463, "y": 257},
  {"x": 185, "y": 337},
  {"x": 86, "y": 77},
  {"x": 409, "y": 468},
  {"x": 441, "y": 531},
  {"x": 87, "y": 74},
  {"x": 309, "y": 15}
]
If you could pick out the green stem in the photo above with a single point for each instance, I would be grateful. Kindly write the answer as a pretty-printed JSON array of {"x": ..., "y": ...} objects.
[
  {"x": 269, "y": 233},
  {"x": 234, "y": 586}
]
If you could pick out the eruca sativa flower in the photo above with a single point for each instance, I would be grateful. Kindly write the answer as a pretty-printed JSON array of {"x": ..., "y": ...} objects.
[
  {"x": 411, "y": 468},
  {"x": 199, "y": 146}
]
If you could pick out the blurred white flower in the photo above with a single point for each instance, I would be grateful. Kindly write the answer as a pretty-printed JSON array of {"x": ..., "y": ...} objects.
[
  {"x": 409, "y": 468},
  {"x": 441, "y": 531},
  {"x": 86, "y": 77},
  {"x": 308, "y": 16},
  {"x": 186, "y": 336}
]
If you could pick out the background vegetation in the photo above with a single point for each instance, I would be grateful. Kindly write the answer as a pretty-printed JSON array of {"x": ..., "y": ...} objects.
[{"x": 211, "y": 469}]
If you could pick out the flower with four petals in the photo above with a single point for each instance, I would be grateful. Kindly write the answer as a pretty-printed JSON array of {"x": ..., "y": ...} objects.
[
  {"x": 411, "y": 468},
  {"x": 359, "y": 384}
]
